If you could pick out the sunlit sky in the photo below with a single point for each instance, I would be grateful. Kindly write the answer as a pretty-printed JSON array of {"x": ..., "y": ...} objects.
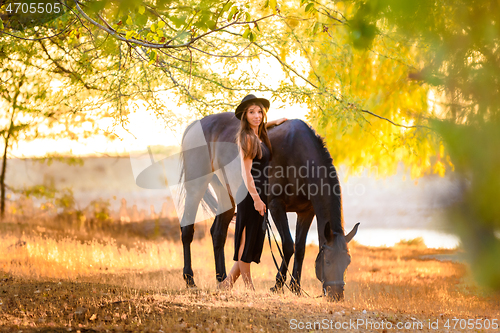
[{"x": 144, "y": 129}]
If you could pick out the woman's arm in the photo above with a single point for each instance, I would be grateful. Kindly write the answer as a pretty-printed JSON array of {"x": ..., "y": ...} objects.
[
  {"x": 276, "y": 122},
  {"x": 246, "y": 168}
]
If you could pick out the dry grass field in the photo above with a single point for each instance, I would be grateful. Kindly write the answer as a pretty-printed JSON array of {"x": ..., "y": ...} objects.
[{"x": 60, "y": 282}]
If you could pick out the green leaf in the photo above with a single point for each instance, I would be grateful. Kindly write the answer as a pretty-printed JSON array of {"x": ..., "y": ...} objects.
[
  {"x": 142, "y": 10},
  {"x": 181, "y": 36},
  {"x": 1, "y": 24},
  {"x": 247, "y": 33},
  {"x": 248, "y": 17},
  {"x": 253, "y": 37},
  {"x": 226, "y": 7},
  {"x": 152, "y": 56},
  {"x": 211, "y": 25},
  {"x": 309, "y": 7},
  {"x": 141, "y": 20},
  {"x": 178, "y": 21},
  {"x": 232, "y": 12},
  {"x": 315, "y": 28},
  {"x": 96, "y": 6}
]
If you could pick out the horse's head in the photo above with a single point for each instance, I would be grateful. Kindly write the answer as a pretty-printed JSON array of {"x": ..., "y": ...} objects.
[{"x": 332, "y": 261}]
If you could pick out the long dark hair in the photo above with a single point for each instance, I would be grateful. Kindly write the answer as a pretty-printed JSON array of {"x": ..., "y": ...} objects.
[{"x": 246, "y": 139}]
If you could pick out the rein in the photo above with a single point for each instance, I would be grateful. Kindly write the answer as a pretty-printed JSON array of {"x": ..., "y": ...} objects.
[
  {"x": 270, "y": 231},
  {"x": 267, "y": 225}
]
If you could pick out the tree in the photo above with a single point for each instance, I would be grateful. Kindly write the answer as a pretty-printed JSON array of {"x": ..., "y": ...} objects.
[
  {"x": 344, "y": 100},
  {"x": 197, "y": 51},
  {"x": 186, "y": 40},
  {"x": 59, "y": 88},
  {"x": 458, "y": 41},
  {"x": 361, "y": 100},
  {"x": 29, "y": 97},
  {"x": 449, "y": 49}
]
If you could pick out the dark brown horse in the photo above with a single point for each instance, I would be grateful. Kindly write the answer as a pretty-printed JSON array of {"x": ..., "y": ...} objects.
[{"x": 302, "y": 180}]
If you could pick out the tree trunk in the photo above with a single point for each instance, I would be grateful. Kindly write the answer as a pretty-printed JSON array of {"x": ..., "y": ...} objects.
[
  {"x": 4, "y": 167},
  {"x": 2, "y": 176}
]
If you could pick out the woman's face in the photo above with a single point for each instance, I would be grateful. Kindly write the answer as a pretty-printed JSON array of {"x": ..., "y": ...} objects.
[{"x": 254, "y": 116}]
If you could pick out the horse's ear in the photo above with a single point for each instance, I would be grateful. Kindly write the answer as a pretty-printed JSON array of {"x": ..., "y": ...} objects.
[
  {"x": 353, "y": 232},
  {"x": 328, "y": 233}
]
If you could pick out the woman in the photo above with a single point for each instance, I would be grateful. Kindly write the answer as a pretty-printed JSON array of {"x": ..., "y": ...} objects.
[{"x": 255, "y": 153}]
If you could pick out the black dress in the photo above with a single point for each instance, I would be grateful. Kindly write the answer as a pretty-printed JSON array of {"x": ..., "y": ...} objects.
[{"x": 247, "y": 217}]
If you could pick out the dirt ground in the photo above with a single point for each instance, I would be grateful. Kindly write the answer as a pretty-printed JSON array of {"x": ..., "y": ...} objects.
[{"x": 402, "y": 289}]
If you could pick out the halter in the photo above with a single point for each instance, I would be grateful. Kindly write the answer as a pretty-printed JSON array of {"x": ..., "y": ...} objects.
[{"x": 328, "y": 283}]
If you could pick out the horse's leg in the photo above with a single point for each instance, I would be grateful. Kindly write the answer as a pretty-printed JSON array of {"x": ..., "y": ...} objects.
[
  {"x": 219, "y": 235},
  {"x": 278, "y": 212},
  {"x": 187, "y": 233},
  {"x": 225, "y": 212},
  {"x": 304, "y": 220},
  {"x": 195, "y": 190}
]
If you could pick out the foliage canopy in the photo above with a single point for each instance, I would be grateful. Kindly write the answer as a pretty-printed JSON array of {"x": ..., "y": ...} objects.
[{"x": 384, "y": 80}]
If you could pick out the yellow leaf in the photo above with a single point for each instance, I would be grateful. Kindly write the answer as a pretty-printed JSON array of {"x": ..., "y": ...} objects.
[
  {"x": 272, "y": 4},
  {"x": 129, "y": 20},
  {"x": 142, "y": 10},
  {"x": 439, "y": 169},
  {"x": 129, "y": 34},
  {"x": 153, "y": 27},
  {"x": 161, "y": 24}
]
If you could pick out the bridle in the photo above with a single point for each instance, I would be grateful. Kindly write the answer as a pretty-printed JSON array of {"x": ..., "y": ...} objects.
[{"x": 328, "y": 283}]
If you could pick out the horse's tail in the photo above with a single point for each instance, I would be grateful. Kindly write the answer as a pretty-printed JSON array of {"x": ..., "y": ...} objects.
[{"x": 209, "y": 201}]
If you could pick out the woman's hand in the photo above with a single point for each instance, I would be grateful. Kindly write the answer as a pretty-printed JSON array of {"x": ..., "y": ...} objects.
[
  {"x": 260, "y": 206},
  {"x": 276, "y": 122},
  {"x": 280, "y": 121}
]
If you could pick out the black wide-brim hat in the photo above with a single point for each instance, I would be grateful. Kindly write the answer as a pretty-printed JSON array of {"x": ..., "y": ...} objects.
[{"x": 248, "y": 99}]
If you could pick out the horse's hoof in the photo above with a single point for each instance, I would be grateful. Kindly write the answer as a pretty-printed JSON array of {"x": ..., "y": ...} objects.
[
  {"x": 276, "y": 290},
  {"x": 296, "y": 289},
  {"x": 190, "y": 282}
]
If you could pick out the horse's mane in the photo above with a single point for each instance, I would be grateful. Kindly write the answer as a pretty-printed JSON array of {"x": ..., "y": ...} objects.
[
  {"x": 325, "y": 154},
  {"x": 321, "y": 141}
]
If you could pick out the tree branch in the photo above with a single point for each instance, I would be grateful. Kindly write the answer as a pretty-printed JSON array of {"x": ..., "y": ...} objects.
[
  {"x": 37, "y": 39},
  {"x": 395, "y": 124},
  {"x": 166, "y": 45}
]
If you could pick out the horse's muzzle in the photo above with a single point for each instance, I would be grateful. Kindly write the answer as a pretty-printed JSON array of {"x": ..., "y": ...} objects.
[{"x": 334, "y": 293}]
